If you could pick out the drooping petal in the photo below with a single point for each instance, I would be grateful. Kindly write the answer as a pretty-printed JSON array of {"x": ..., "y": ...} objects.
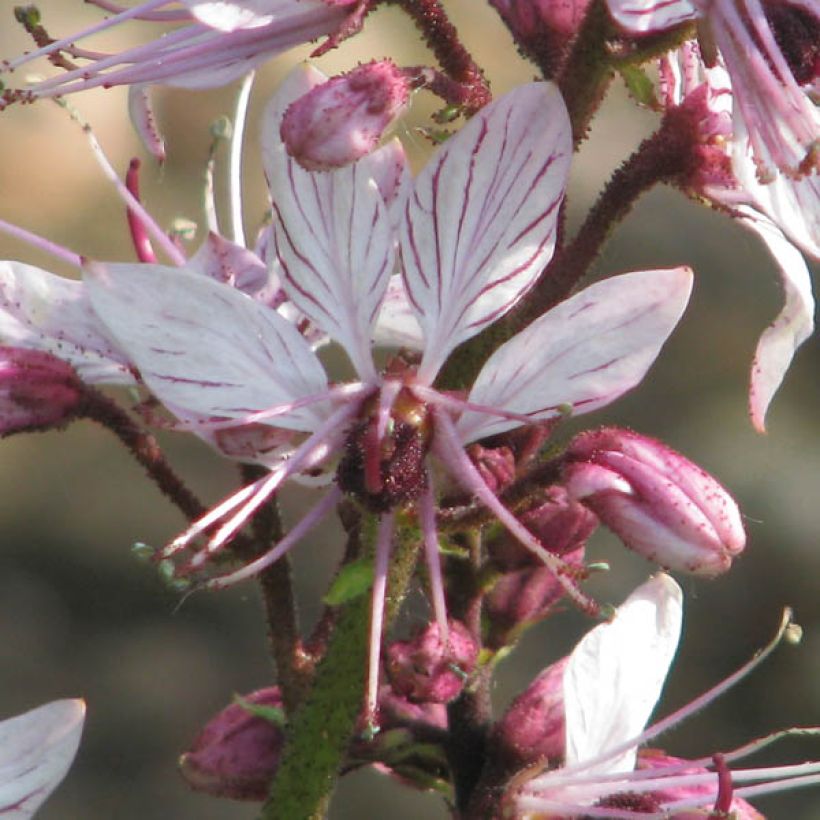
[
  {"x": 582, "y": 354},
  {"x": 480, "y": 223},
  {"x": 41, "y": 311},
  {"x": 649, "y": 16},
  {"x": 205, "y": 347},
  {"x": 615, "y": 675},
  {"x": 793, "y": 325},
  {"x": 36, "y": 750},
  {"x": 334, "y": 246}
]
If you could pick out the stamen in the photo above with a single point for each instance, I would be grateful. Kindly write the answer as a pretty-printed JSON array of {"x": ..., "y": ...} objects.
[
  {"x": 427, "y": 521},
  {"x": 41, "y": 243},
  {"x": 172, "y": 15},
  {"x": 139, "y": 236},
  {"x": 235, "y": 167}
]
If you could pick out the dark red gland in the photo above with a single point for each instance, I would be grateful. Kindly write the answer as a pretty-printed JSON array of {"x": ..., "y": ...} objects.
[
  {"x": 389, "y": 473},
  {"x": 632, "y": 801},
  {"x": 797, "y": 32}
]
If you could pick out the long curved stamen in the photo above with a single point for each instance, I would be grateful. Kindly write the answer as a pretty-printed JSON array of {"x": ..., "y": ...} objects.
[
  {"x": 235, "y": 165},
  {"x": 427, "y": 521},
  {"x": 41, "y": 243},
  {"x": 170, "y": 16},
  {"x": 448, "y": 447},
  {"x": 299, "y": 531},
  {"x": 384, "y": 542},
  {"x": 139, "y": 236}
]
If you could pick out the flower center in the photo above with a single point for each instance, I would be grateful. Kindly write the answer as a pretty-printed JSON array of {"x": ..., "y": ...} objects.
[{"x": 797, "y": 32}]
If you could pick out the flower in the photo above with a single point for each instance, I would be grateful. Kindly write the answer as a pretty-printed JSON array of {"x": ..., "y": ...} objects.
[
  {"x": 783, "y": 213},
  {"x": 36, "y": 751},
  {"x": 476, "y": 230},
  {"x": 217, "y": 43},
  {"x": 775, "y": 120},
  {"x": 612, "y": 682},
  {"x": 659, "y": 503}
]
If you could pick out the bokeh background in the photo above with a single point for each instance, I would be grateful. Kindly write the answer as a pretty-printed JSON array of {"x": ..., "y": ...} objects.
[{"x": 79, "y": 616}]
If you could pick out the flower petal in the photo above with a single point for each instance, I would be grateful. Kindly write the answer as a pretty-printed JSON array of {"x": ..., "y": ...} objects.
[
  {"x": 582, "y": 354},
  {"x": 397, "y": 325},
  {"x": 793, "y": 325},
  {"x": 36, "y": 750},
  {"x": 334, "y": 245},
  {"x": 650, "y": 16},
  {"x": 615, "y": 675},
  {"x": 480, "y": 224},
  {"x": 204, "y": 347},
  {"x": 41, "y": 311},
  {"x": 229, "y": 15}
]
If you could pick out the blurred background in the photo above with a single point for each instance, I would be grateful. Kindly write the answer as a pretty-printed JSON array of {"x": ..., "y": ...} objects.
[{"x": 79, "y": 616}]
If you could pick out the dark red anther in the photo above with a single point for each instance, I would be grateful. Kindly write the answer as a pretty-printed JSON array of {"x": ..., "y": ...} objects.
[{"x": 139, "y": 233}]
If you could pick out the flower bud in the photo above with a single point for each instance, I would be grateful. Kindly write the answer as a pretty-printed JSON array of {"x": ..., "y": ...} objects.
[
  {"x": 426, "y": 669},
  {"x": 659, "y": 503},
  {"x": 532, "y": 729},
  {"x": 37, "y": 390},
  {"x": 237, "y": 753},
  {"x": 496, "y": 465},
  {"x": 343, "y": 119}
]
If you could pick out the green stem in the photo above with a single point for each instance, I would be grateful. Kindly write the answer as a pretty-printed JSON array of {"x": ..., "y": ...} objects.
[{"x": 324, "y": 725}]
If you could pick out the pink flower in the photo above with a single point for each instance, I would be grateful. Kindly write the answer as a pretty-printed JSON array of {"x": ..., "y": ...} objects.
[
  {"x": 37, "y": 749},
  {"x": 659, "y": 503},
  {"x": 343, "y": 119}
]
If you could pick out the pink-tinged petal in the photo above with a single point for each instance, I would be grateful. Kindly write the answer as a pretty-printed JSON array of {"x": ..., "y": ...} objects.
[
  {"x": 397, "y": 325},
  {"x": 144, "y": 121},
  {"x": 480, "y": 223},
  {"x": 390, "y": 168},
  {"x": 205, "y": 347},
  {"x": 614, "y": 677},
  {"x": 230, "y": 15},
  {"x": 37, "y": 748},
  {"x": 650, "y": 16},
  {"x": 793, "y": 325},
  {"x": 335, "y": 251},
  {"x": 582, "y": 354},
  {"x": 41, "y": 311},
  {"x": 225, "y": 261}
]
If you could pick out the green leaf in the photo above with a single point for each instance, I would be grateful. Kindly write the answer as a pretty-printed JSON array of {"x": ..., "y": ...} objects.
[
  {"x": 640, "y": 87},
  {"x": 272, "y": 714},
  {"x": 352, "y": 581}
]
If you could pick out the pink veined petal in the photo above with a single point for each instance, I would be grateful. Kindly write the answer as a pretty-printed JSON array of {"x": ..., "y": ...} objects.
[
  {"x": 334, "y": 245},
  {"x": 650, "y": 16},
  {"x": 397, "y": 325},
  {"x": 36, "y": 750},
  {"x": 229, "y": 15},
  {"x": 41, "y": 311},
  {"x": 582, "y": 354},
  {"x": 614, "y": 677},
  {"x": 390, "y": 168},
  {"x": 480, "y": 223},
  {"x": 205, "y": 347},
  {"x": 793, "y": 325},
  {"x": 224, "y": 261}
]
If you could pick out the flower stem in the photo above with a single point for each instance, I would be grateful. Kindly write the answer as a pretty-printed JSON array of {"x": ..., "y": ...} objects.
[{"x": 322, "y": 728}]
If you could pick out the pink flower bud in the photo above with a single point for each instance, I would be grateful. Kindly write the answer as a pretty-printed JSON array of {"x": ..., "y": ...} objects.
[
  {"x": 529, "y": 18},
  {"x": 425, "y": 669},
  {"x": 237, "y": 753},
  {"x": 341, "y": 120},
  {"x": 37, "y": 390},
  {"x": 496, "y": 465},
  {"x": 659, "y": 503},
  {"x": 533, "y": 728}
]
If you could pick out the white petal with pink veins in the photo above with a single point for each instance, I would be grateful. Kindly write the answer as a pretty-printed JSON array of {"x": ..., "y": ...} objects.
[
  {"x": 206, "y": 348},
  {"x": 650, "y": 16},
  {"x": 793, "y": 325},
  {"x": 614, "y": 677},
  {"x": 36, "y": 750},
  {"x": 41, "y": 311},
  {"x": 582, "y": 354},
  {"x": 480, "y": 222}
]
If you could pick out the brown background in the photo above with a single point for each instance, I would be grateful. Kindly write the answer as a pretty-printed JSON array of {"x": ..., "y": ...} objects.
[{"x": 79, "y": 616}]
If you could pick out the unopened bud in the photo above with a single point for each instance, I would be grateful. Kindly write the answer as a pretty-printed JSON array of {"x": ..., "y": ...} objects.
[
  {"x": 237, "y": 753},
  {"x": 533, "y": 728},
  {"x": 343, "y": 119},
  {"x": 496, "y": 465},
  {"x": 427, "y": 669},
  {"x": 659, "y": 503},
  {"x": 37, "y": 390}
]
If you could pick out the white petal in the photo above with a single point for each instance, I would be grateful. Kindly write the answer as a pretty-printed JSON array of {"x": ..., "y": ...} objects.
[
  {"x": 480, "y": 223},
  {"x": 229, "y": 15},
  {"x": 615, "y": 675},
  {"x": 41, "y": 311},
  {"x": 793, "y": 325},
  {"x": 332, "y": 237},
  {"x": 582, "y": 354},
  {"x": 390, "y": 168},
  {"x": 650, "y": 15},
  {"x": 229, "y": 263},
  {"x": 36, "y": 750},
  {"x": 397, "y": 325},
  {"x": 205, "y": 347}
]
